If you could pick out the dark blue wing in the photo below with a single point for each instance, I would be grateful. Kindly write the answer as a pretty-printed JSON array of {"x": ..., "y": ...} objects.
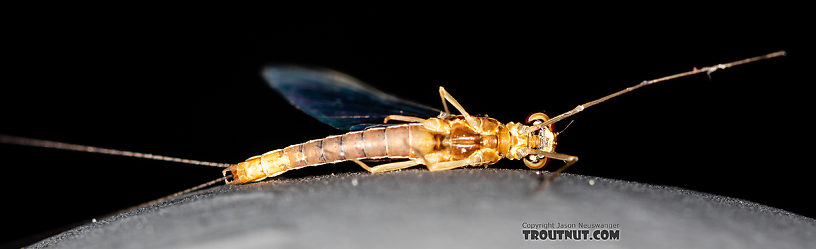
[{"x": 338, "y": 99}]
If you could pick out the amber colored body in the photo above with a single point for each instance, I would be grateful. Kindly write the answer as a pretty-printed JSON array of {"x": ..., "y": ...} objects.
[
  {"x": 430, "y": 142},
  {"x": 442, "y": 143}
]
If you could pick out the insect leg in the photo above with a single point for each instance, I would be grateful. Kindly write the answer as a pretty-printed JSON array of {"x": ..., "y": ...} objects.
[
  {"x": 387, "y": 167},
  {"x": 403, "y": 118},
  {"x": 570, "y": 160},
  {"x": 446, "y": 96},
  {"x": 447, "y": 165}
]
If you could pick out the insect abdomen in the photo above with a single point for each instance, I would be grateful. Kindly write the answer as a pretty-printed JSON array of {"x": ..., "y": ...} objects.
[
  {"x": 392, "y": 141},
  {"x": 396, "y": 141}
]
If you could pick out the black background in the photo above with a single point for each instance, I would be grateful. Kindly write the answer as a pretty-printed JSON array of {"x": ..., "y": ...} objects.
[{"x": 186, "y": 83}]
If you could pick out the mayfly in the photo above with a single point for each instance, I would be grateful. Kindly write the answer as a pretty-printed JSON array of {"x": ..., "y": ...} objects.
[{"x": 382, "y": 126}]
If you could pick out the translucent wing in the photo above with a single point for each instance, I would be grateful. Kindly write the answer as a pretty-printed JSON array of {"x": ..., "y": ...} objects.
[{"x": 338, "y": 99}]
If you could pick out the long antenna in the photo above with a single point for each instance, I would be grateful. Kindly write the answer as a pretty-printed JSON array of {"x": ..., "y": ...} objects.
[
  {"x": 707, "y": 70},
  {"x": 6, "y": 139}
]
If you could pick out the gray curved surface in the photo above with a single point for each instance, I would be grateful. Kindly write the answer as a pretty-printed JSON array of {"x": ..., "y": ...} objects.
[{"x": 474, "y": 208}]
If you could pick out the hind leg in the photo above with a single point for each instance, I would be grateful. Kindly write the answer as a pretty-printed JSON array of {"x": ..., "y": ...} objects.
[
  {"x": 447, "y": 165},
  {"x": 408, "y": 119},
  {"x": 387, "y": 167}
]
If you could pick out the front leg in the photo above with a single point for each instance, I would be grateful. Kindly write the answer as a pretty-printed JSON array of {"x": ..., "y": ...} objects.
[{"x": 570, "y": 160}]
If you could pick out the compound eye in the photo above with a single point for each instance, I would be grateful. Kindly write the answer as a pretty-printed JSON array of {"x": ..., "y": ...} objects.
[
  {"x": 535, "y": 162},
  {"x": 537, "y": 118}
]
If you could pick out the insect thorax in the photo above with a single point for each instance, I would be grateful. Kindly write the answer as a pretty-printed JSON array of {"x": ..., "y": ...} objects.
[{"x": 526, "y": 139}]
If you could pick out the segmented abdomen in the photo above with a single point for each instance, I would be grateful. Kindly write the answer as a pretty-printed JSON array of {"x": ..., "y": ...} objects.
[
  {"x": 396, "y": 141},
  {"x": 392, "y": 141}
]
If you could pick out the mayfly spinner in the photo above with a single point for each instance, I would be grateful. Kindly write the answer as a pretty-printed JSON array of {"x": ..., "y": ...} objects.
[
  {"x": 438, "y": 139},
  {"x": 443, "y": 142}
]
